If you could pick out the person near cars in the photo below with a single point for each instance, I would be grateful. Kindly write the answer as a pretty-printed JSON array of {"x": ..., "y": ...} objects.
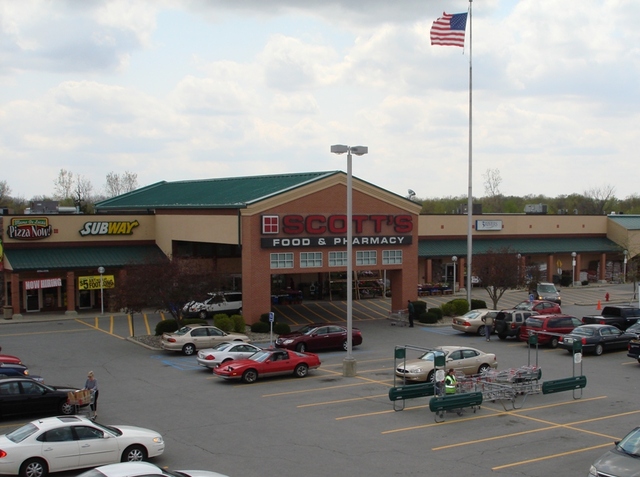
[
  {"x": 92, "y": 385},
  {"x": 412, "y": 312},
  {"x": 488, "y": 325},
  {"x": 450, "y": 382}
]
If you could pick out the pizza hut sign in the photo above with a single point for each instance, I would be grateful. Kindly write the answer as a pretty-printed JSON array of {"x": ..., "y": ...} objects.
[
  {"x": 29, "y": 228},
  {"x": 328, "y": 231}
]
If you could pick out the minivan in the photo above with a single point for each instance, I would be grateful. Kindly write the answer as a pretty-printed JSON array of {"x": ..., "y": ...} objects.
[
  {"x": 548, "y": 328},
  {"x": 546, "y": 291}
]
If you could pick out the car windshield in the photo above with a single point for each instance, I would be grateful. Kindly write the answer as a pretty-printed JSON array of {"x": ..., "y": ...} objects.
[
  {"x": 583, "y": 331},
  {"x": 21, "y": 433},
  {"x": 430, "y": 355},
  {"x": 183, "y": 331},
  {"x": 260, "y": 356},
  {"x": 223, "y": 346},
  {"x": 525, "y": 305},
  {"x": 472, "y": 314},
  {"x": 631, "y": 443},
  {"x": 547, "y": 288},
  {"x": 306, "y": 329}
]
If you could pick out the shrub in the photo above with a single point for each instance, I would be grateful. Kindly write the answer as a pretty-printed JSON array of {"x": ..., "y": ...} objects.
[
  {"x": 169, "y": 326},
  {"x": 223, "y": 322},
  {"x": 428, "y": 317},
  {"x": 260, "y": 327},
  {"x": 448, "y": 309},
  {"x": 477, "y": 304},
  {"x": 239, "y": 326},
  {"x": 455, "y": 307},
  {"x": 264, "y": 318},
  {"x": 437, "y": 312},
  {"x": 281, "y": 328},
  {"x": 419, "y": 307}
]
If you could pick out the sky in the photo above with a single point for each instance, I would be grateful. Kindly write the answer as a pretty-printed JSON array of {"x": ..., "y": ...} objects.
[{"x": 196, "y": 89}]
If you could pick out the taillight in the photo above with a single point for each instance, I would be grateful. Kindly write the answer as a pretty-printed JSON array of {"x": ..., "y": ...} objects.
[
  {"x": 584, "y": 341},
  {"x": 210, "y": 357},
  {"x": 513, "y": 326},
  {"x": 602, "y": 322},
  {"x": 2, "y": 454},
  {"x": 171, "y": 340}
]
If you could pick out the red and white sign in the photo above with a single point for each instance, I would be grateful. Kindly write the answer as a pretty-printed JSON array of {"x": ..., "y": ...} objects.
[{"x": 43, "y": 283}]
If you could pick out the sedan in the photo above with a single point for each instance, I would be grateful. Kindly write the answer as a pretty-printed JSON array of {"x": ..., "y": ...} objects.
[
  {"x": 623, "y": 460},
  {"x": 57, "y": 444},
  {"x": 225, "y": 351},
  {"x": 191, "y": 338},
  {"x": 144, "y": 469},
  {"x": 466, "y": 360},
  {"x": 315, "y": 337},
  {"x": 543, "y": 307},
  {"x": 20, "y": 395},
  {"x": 20, "y": 370},
  {"x": 7, "y": 358},
  {"x": 269, "y": 362},
  {"x": 597, "y": 338},
  {"x": 472, "y": 321}
]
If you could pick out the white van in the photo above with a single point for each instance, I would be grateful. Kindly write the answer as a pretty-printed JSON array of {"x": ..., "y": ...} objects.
[{"x": 218, "y": 302}]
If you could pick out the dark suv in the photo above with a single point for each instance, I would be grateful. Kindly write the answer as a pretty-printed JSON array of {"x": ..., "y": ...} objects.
[
  {"x": 549, "y": 328},
  {"x": 508, "y": 322}
]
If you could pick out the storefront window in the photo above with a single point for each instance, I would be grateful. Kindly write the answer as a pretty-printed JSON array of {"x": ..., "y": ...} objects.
[
  {"x": 367, "y": 257},
  {"x": 310, "y": 259},
  {"x": 392, "y": 257},
  {"x": 337, "y": 259},
  {"x": 282, "y": 260}
]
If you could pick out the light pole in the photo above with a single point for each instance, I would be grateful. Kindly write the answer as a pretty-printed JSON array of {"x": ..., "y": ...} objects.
[
  {"x": 349, "y": 363},
  {"x": 101, "y": 272},
  {"x": 518, "y": 257},
  {"x": 454, "y": 259},
  {"x": 624, "y": 272},
  {"x": 573, "y": 269}
]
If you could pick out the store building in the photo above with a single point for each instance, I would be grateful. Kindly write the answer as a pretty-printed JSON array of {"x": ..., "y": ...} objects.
[{"x": 267, "y": 233}]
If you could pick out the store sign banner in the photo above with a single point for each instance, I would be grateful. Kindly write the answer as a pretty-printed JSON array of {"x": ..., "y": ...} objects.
[
  {"x": 93, "y": 282},
  {"x": 42, "y": 283},
  {"x": 108, "y": 228},
  {"x": 376, "y": 240},
  {"x": 29, "y": 228},
  {"x": 489, "y": 225},
  {"x": 318, "y": 224}
]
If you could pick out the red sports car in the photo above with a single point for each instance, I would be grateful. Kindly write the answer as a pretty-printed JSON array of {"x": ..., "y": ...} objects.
[
  {"x": 314, "y": 337},
  {"x": 269, "y": 362}
]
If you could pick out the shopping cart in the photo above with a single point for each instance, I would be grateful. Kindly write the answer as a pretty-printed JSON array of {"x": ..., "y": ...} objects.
[{"x": 83, "y": 402}]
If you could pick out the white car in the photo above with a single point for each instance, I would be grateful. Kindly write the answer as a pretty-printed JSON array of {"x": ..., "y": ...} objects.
[
  {"x": 225, "y": 351},
  {"x": 62, "y": 443},
  {"x": 191, "y": 338},
  {"x": 221, "y": 302},
  {"x": 146, "y": 469}
]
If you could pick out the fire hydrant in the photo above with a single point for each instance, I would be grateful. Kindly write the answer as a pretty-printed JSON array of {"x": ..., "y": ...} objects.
[{"x": 606, "y": 296}]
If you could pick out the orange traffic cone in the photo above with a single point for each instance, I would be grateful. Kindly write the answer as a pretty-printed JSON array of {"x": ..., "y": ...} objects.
[{"x": 599, "y": 307}]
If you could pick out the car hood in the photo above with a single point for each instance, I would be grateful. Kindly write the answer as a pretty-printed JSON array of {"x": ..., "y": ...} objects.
[
  {"x": 135, "y": 431},
  {"x": 618, "y": 463},
  {"x": 417, "y": 364}
]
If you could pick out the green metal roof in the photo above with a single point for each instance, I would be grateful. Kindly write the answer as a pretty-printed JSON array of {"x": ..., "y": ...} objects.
[
  {"x": 629, "y": 222},
  {"x": 235, "y": 192},
  {"x": 82, "y": 257},
  {"x": 448, "y": 248}
]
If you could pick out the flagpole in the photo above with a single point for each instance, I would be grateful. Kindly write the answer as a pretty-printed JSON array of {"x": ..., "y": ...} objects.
[{"x": 470, "y": 193}]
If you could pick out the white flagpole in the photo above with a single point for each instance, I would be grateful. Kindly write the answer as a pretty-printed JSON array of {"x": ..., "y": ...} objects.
[{"x": 470, "y": 193}]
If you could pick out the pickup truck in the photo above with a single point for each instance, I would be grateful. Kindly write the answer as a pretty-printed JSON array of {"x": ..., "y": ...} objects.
[
  {"x": 634, "y": 350},
  {"x": 620, "y": 316}
]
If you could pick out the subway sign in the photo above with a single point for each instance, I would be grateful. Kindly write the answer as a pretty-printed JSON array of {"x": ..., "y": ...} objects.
[
  {"x": 328, "y": 231},
  {"x": 108, "y": 228}
]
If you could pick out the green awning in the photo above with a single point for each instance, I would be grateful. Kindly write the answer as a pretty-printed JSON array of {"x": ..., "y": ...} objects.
[
  {"x": 525, "y": 246},
  {"x": 82, "y": 257}
]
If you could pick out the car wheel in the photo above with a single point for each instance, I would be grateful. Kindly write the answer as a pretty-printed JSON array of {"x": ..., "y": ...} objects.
[
  {"x": 301, "y": 348},
  {"x": 345, "y": 345},
  {"x": 431, "y": 377},
  {"x": 66, "y": 408},
  {"x": 502, "y": 336},
  {"x": 34, "y": 468},
  {"x": 250, "y": 376},
  {"x": 554, "y": 342},
  {"x": 481, "y": 330},
  {"x": 202, "y": 314},
  {"x": 301, "y": 370},
  {"x": 134, "y": 454},
  {"x": 483, "y": 368},
  {"x": 189, "y": 349},
  {"x": 598, "y": 350}
]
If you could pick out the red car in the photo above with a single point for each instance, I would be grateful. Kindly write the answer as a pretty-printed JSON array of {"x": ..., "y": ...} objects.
[
  {"x": 269, "y": 362},
  {"x": 314, "y": 337},
  {"x": 543, "y": 307},
  {"x": 7, "y": 358}
]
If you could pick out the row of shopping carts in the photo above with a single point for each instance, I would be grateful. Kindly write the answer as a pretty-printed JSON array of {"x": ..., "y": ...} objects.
[{"x": 508, "y": 386}]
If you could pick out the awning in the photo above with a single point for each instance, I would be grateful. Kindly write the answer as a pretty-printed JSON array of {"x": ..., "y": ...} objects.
[
  {"x": 81, "y": 257},
  {"x": 524, "y": 246}
]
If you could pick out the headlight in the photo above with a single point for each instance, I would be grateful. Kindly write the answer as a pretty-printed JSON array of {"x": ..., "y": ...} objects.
[
  {"x": 593, "y": 471},
  {"x": 157, "y": 440},
  {"x": 287, "y": 342}
]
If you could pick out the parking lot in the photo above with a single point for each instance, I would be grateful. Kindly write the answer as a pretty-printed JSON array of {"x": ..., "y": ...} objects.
[{"x": 327, "y": 424}]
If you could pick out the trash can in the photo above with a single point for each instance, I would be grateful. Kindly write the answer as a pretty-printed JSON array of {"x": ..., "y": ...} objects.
[{"x": 8, "y": 312}]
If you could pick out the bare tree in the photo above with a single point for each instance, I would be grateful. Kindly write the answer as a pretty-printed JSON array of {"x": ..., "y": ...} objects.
[
  {"x": 5, "y": 191},
  {"x": 600, "y": 199},
  {"x": 121, "y": 183},
  {"x": 492, "y": 182},
  {"x": 63, "y": 185},
  {"x": 498, "y": 271},
  {"x": 82, "y": 190}
]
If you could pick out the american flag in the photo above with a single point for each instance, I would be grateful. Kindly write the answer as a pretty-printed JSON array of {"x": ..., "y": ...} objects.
[{"x": 448, "y": 30}]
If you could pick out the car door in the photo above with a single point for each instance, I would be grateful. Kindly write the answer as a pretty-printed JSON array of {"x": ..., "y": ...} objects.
[
  {"x": 278, "y": 363},
  {"x": 455, "y": 360},
  {"x": 318, "y": 339},
  {"x": 215, "y": 336},
  {"x": 37, "y": 398},
  {"x": 11, "y": 399},
  {"x": 60, "y": 448},
  {"x": 336, "y": 336},
  {"x": 199, "y": 337},
  {"x": 242, "y": 351},
  {"x": 96, "y": 446},
  {"x": 613, "y": 338}
]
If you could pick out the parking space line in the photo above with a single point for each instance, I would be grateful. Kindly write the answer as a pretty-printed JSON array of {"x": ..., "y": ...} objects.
[
  {"x": 98, "y": 329},
  {"x": 552, "y": 456},
  {"x": 340, "y": 401}
]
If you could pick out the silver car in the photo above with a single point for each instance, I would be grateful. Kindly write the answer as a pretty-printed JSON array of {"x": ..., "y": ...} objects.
[
  {"x": 191, "y": 338},
  {"x": 472, "y": 321},
  {"x": 225, "y": 351}
]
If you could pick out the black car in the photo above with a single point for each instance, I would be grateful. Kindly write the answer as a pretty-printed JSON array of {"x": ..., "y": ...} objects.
[
  {"x": 508, "y": 322},
  {"x": 17, "y": 370},
  {"x": 26, "y": 396},
  {"x": 597, "y": 338}
]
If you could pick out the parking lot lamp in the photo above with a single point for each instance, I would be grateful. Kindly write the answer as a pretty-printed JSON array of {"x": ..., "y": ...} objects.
[
  {"x": 101, "y": 272},
  {"x": 454, "y": 259},
  {"x": 624, "y": 269},
  {"x": 349, "y": 363},
  {"x": 573, "y": 269}
]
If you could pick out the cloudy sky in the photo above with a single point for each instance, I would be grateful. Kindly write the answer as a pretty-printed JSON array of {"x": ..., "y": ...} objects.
[{"x": 192, "y": 89}]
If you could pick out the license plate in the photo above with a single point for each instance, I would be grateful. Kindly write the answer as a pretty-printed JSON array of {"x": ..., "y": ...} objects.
[{"x": 568, "y": 340}]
